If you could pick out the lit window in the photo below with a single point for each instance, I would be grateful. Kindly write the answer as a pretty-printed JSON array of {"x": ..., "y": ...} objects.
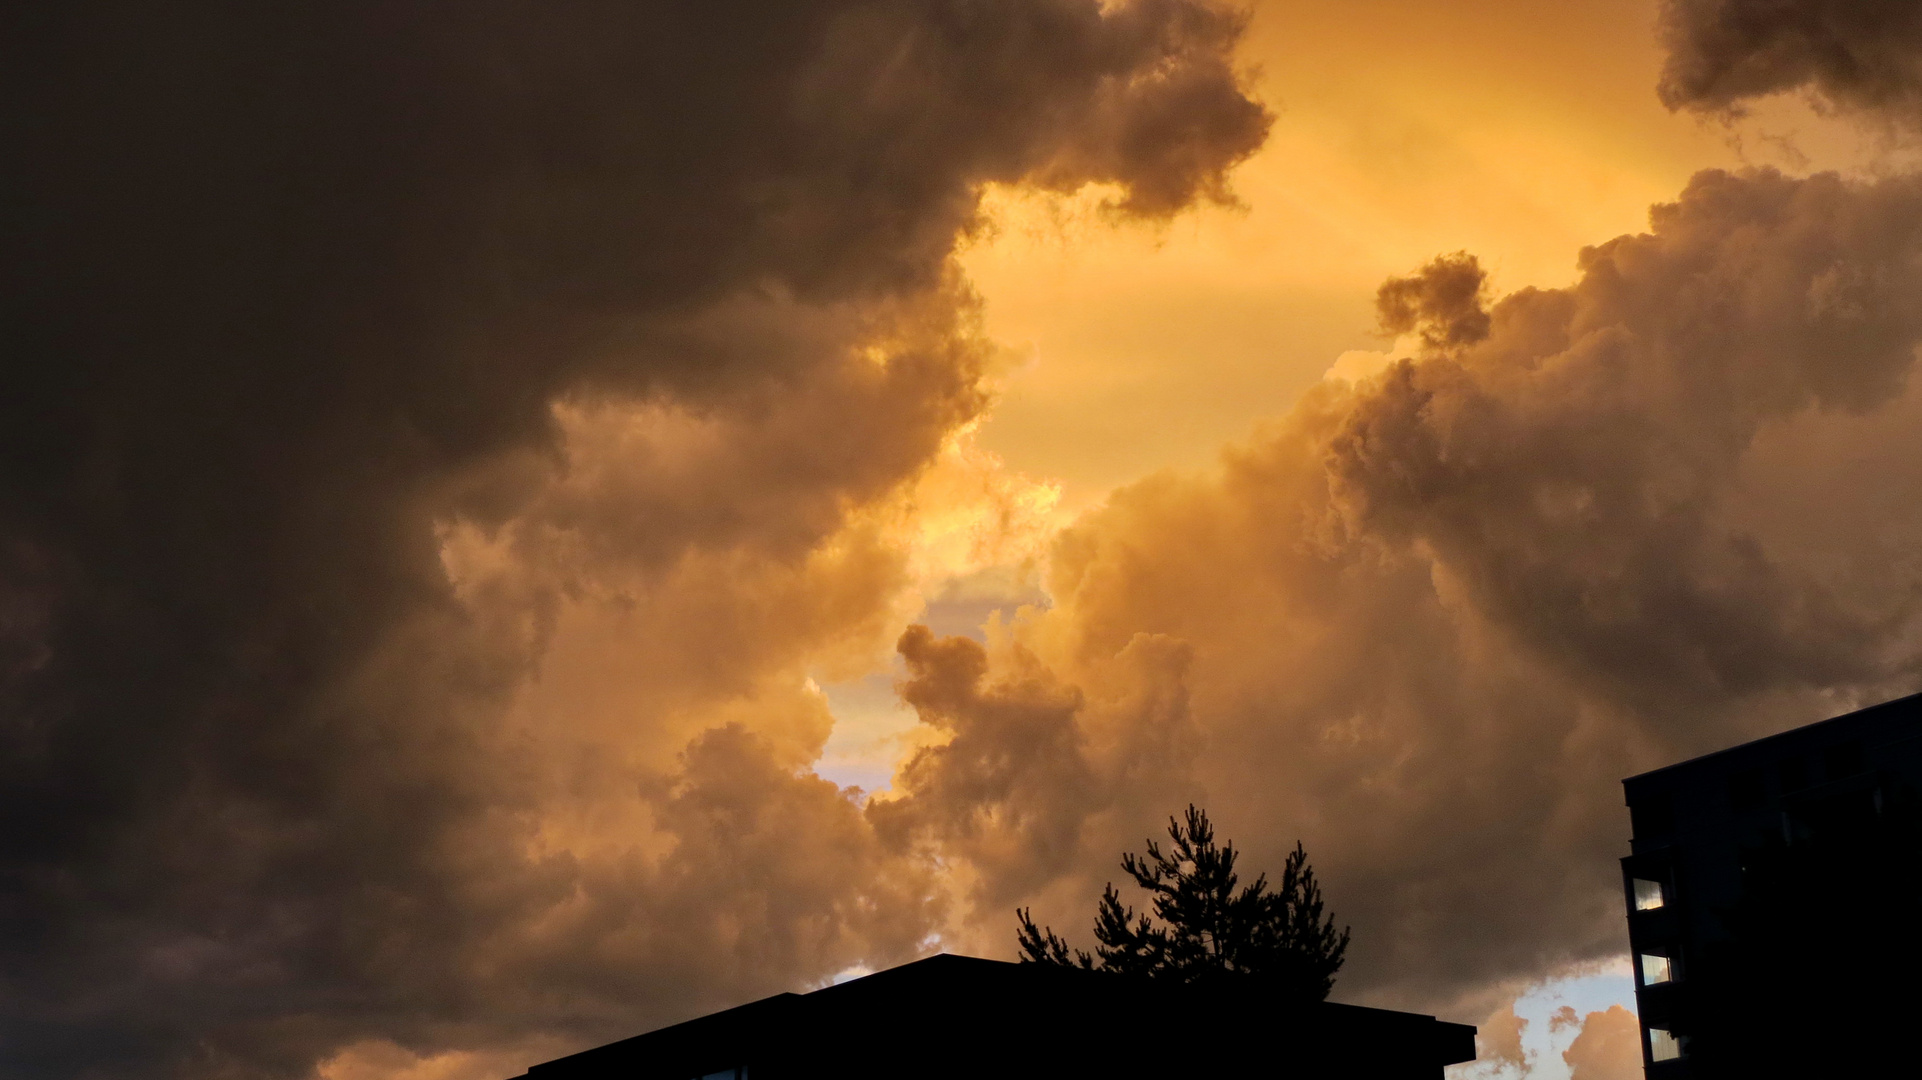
[
  {"x": 1663, "y": 1045},
  {"x": 1655, "y": 969},
  {"x": 1648, "y": 895}
]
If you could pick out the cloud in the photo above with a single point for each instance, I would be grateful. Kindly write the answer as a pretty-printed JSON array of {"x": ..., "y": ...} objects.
[
  {"x": 1443, "y": 304},
  {"x": 380, "y": 1060},
  {"x": 440, "y": 440},
  {"x": 1667, "y": 358},
  {"x": 445, "y": 442},
  {"x": 1028, "y": 771},
  {"x": 1564, "y": 1018},
  {"x": 1498, "y": 1040},
  {"x": 1430, "y": 619},
  {"x": 1608, "y": 1047},
  {"x": 1859, "y": 55}
]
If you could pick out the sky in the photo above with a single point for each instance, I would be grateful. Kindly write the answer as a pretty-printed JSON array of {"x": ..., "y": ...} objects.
[
  {"x": 520, "y": 525},
  {"x": 1520, "y": 132}
]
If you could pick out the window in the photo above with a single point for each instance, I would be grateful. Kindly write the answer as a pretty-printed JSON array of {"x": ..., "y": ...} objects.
[
  {"x": 1663, "y": 1045},
  {"x": 1649, "y": 895},
  {"x": 1656, "y": 970}
]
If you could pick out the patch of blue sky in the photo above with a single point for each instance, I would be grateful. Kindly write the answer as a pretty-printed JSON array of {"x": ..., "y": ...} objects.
[
  {"x": 965, "y": 605},
  {"x": 871, "y": 723},
  {"x": 1592, "y": 989}
]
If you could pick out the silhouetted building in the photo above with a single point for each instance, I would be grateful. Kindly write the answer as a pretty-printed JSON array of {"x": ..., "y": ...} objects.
[
  {"x": 1773, "y": 906},
  {"x": 958, "y": 1016}
]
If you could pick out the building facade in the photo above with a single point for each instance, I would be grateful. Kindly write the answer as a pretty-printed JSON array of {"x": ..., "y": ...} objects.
[{"x": 1771, "y": 892}]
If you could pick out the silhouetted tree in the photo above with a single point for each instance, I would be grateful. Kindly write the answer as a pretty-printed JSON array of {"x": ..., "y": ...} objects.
[{"x": 1203, "y": 928}]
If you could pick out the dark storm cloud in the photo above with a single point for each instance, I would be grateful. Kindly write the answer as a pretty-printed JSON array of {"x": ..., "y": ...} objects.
[
  {"x": 1858, "y": 54},
  {"x": 1030, "y": 758},
  {"x": 290, "y": 285},
  {"x": 1581, "y": 502}
]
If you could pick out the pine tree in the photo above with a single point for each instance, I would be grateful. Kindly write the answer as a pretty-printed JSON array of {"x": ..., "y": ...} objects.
[{"x": 1202, "y": 927}]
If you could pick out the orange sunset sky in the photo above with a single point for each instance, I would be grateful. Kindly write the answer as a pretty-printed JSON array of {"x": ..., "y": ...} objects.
[
  {"x": 524, "y": 524},
  {"x": 1518, "y": 132}
]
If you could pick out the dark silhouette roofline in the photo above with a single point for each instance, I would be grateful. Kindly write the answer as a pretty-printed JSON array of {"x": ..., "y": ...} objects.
[
  {"x": 949, "y": 1015},
  {"x": 1893, "y": 703}
]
